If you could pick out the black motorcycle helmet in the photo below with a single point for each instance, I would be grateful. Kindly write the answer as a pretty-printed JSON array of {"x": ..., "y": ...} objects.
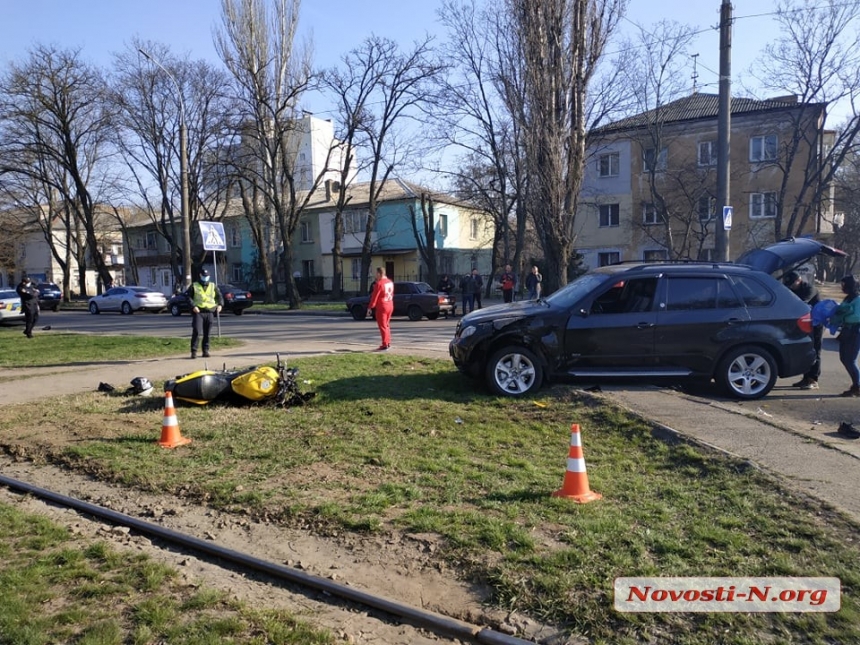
[
  {"x": 850, "y": 287},
  {"x": 141, "y": 385}
]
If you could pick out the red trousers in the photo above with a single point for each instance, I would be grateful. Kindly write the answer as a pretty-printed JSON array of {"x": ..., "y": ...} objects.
[{"x": 383, "y": 320}]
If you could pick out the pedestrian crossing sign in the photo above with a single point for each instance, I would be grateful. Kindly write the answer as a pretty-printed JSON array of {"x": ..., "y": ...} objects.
[{"x": 213, "y": 236}]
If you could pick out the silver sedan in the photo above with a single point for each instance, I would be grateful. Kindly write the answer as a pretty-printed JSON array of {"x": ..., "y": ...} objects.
[{"x": 127, "y": 300}]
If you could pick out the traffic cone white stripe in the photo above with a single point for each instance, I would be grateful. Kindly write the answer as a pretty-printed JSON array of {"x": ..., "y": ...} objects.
[
  {"x": 576, "y": 465},
  {"x": 575, "y": 440}
]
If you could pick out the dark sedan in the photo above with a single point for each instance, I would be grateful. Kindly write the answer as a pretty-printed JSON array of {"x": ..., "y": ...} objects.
[
  {"x": 50, "y": 296},
  {"x": 236, "y": 300},
  {"x": 412, "y": 299}
]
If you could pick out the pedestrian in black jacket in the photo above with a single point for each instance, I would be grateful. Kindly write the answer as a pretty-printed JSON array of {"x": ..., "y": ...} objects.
[
  {"x": 809, "y": 294},
  {"x": 29, "y": 295}
]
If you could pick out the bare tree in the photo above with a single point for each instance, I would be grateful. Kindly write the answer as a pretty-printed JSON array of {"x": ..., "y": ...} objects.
[
  {"x": 655, "y": 78},
  {"x": 352, "y": 86},
  {"x": 479, "y": 114},
  {"x": 381, "y": 90},
  {"x": 257, "y": 43},
  {"x": 55, "y": 132},
  {"x": 561, "y": 43},
  {"x": 816, "y": 59},
  {"x": 147, "y": 135},
  {"x": 425, "y": 236}
]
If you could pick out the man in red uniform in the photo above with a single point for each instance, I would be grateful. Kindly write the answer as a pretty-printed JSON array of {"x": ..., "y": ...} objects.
[{"x": 382, "y": 306}]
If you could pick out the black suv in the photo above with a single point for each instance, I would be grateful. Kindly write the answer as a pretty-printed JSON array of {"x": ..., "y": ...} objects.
[{"x": 728, "y": 322}]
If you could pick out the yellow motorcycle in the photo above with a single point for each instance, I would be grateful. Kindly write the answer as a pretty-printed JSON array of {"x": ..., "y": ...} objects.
[{"x": 254, "y": 385}]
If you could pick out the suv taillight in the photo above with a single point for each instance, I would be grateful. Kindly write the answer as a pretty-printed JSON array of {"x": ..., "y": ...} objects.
[{"x": 805, "y": 323}]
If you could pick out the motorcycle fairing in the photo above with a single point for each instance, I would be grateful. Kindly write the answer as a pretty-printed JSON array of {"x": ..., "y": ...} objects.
[{"x": 258, "y": 384}]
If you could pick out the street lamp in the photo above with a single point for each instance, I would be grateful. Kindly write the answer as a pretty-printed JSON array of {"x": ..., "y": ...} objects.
[{"x": 183, "y": 172}]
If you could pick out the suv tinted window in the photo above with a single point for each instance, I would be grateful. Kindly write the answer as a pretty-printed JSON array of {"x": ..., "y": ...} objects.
[
  {"x": 753, "y": 292},
  {"x": 635, "y": 295},
  {"x": 684, "y": 294}
]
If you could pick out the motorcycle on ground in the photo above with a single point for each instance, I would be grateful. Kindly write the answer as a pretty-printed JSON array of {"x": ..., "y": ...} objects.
[{"x": 261, "y": 385}]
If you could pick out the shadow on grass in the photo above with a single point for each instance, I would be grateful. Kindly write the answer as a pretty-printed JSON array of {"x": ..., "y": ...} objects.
[{"x": 451, "y": 387}]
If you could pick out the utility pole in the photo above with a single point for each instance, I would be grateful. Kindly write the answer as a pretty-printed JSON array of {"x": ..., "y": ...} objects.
[
  {"x": 722, "y": 247},
  {"x": 185, "y": 215}
]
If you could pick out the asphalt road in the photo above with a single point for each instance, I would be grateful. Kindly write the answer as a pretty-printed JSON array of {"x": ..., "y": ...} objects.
[{"x": 790, "y": 432}]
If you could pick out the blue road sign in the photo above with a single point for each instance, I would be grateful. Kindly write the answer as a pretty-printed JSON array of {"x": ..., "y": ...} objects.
[{"x": 213, "y": 236}]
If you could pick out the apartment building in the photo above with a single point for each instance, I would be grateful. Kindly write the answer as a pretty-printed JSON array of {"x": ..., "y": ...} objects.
[{"x": 650, "y": 186}]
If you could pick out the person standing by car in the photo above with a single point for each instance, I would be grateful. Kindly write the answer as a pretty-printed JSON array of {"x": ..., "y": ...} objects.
[
  {"x": 467, "y": 288},
  {"x": 508, "y": 282},
  {"x": 382, "y": 305},
  {"x": 205, "y": 300},
  {"x": 477, "y": 288},
  {"x": 445, "y": 286},
  {"x": 533, "y": 283},
  {"x": 847, "y": 314},
  {"x": 809, "y": 294},
  {"x": 29, "y": 295}
]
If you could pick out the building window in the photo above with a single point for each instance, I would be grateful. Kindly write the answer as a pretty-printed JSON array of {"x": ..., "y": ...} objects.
[
  {"x": 608, "y": 257},
  {"x": 706, "y": 207},
  {"x": 236, "y": 273},
  {"x": 354, "y": 221},
  {"x": 655, "y": 255},
  {"x": 308, "y": 268},
  {"x": 609, "y": 215},
  {"x": 608, "y": 165},
  {"x": 652, "y": 161},
  {"x": 763, "y": 148},
  {"x": 650, "y": 215},
  {"x": 305, "y": 228},
  {"x": 443, "y": 225},
  {"x": 151, "y": 242},
  {"x": 235, "y": 236},
  {"x": 762, "y": 205},
  {"x": 356, "y": 268},
  {"x": 473, "y": 229},
  {"x": 707, "y": 153}
]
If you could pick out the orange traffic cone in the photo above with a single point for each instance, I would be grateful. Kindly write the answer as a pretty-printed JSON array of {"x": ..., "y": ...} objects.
[
  {"x": 575, "y": 484},
  {"x": 170, "y": 435}
]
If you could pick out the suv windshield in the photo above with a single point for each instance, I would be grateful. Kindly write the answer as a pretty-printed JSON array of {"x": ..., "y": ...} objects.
[{"x": 569, "y": 295}]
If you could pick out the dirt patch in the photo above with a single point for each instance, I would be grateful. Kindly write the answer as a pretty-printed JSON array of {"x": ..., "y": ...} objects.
[{"x": 399, "y": 566}]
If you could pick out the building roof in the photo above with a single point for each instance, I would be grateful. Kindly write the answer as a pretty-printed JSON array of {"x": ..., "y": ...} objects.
[{"x": 701, "y": 106}]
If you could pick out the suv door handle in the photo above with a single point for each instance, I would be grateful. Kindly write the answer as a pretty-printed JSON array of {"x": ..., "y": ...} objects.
[
  {"x": 734, "y": 321},
  {"x": 644, "y": 325}
]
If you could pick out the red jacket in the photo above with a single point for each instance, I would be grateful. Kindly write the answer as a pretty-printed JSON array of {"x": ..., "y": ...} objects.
[{"x": 383, "y": 294}]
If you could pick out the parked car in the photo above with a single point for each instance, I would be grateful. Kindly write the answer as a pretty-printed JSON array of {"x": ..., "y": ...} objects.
[
  {"x": 729, "y": 322},
  {"x": 50, "y": 296},
  {"x": 10, "y": 306},
  {"x": 413, "y": 299},
  {"x": 127, "y": 300},
  {"x": 236, "y": 300}
]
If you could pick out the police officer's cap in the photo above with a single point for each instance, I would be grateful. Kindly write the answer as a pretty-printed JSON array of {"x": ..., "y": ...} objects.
[{"x": 204, "y": 273}]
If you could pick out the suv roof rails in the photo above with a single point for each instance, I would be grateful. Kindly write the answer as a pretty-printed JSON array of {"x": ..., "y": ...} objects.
[{"x": 703, "y": 263}]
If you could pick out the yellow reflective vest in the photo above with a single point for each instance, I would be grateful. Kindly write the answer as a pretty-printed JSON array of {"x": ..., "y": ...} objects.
[{"x": 204, "y": 297}]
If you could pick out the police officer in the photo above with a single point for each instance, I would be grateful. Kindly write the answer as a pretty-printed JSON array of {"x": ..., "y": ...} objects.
[
  {"x": 29, "y": 295},
  {"x": 205, "y": 300}
]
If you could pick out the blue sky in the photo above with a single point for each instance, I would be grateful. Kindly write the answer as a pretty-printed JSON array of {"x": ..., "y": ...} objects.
[{"x": 104, "y": 26}]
